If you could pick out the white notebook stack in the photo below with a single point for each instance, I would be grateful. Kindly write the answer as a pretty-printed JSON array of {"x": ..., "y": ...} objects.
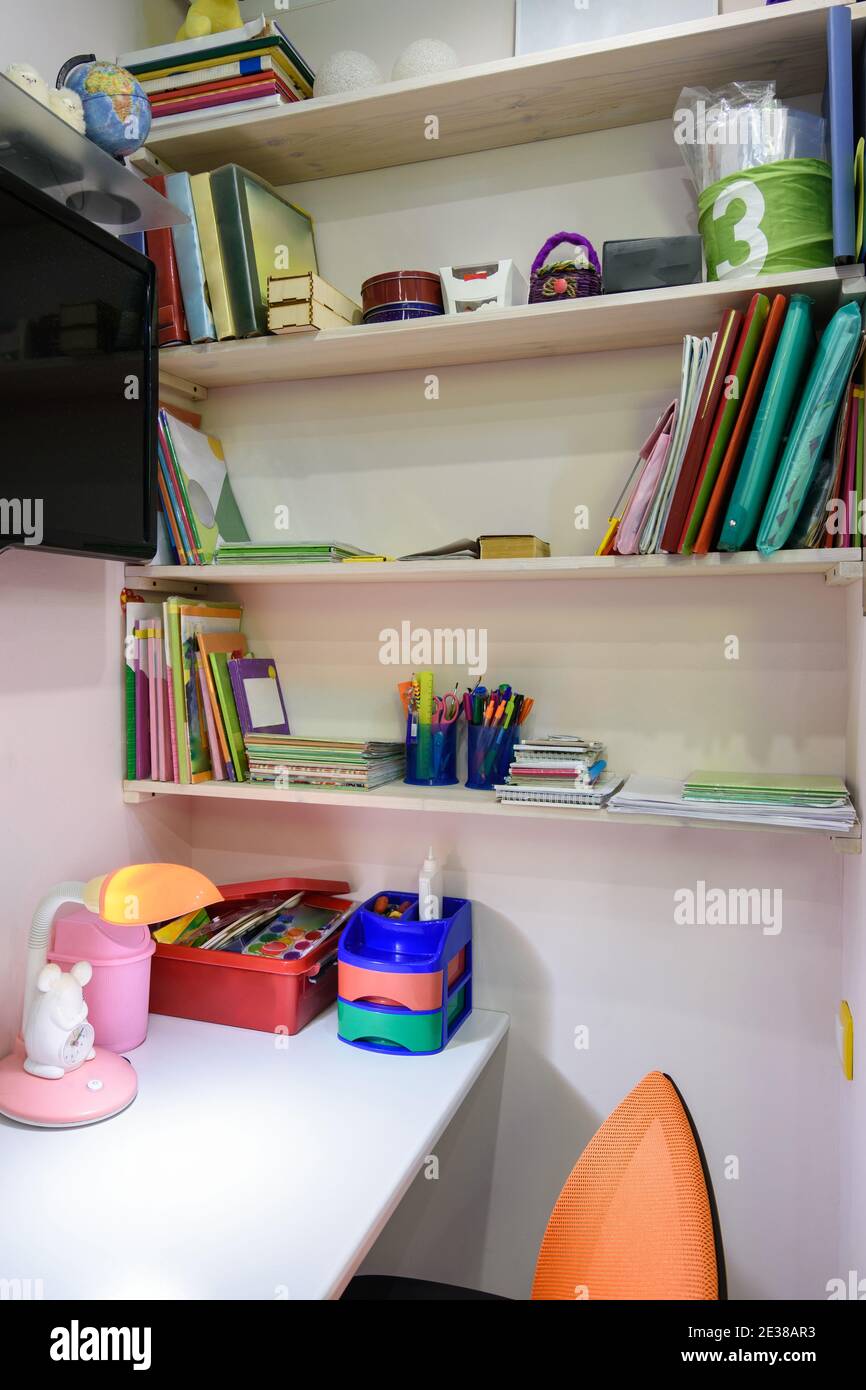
[{"x": 561, "y": 770}]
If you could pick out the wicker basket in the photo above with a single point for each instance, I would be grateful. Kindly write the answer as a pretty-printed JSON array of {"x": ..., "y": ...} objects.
[{"x": 563, "y": 279}]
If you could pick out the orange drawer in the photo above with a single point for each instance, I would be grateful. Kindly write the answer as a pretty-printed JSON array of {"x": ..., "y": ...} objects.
[{"x": 391, "y": 988}]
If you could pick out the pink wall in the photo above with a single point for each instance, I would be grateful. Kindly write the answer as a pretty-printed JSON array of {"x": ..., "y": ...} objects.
[
  {"x": 852, "y": 1241},
  {"x": 61, "y": 810}
]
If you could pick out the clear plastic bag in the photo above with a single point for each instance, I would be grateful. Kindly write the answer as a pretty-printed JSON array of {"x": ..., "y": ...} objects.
[{"x": 742, "y": 126}]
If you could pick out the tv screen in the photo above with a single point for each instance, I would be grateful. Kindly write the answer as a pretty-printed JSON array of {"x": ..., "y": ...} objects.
[{"x": 78, "y": 383}]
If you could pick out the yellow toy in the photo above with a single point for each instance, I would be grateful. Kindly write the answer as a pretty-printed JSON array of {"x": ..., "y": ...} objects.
[{"x": 210, "y": 17}]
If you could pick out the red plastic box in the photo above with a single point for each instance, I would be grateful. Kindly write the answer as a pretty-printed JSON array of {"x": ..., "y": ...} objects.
[{"x": 269, "y": 996}]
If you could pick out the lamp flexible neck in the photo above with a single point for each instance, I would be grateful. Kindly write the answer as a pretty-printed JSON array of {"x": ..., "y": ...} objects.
[{"x": 39, "y": 940}]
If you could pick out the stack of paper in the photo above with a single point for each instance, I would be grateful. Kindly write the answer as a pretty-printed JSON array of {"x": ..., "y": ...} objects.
[
  {"x": 513, "y": 547},
  {"x": 560, "y": 770},
  {"x": 801, "y": 802},
  {"x": 289, "y": 760},
  {"x": 254, "y": 553},
  {"x": 556, "y": 794}
]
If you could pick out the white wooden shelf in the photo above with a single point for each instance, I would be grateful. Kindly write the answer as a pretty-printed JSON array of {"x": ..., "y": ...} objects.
[
  {"x": 838, "y": 567},
  {"x": 396, "y": 796},
  {"x": 603, "y": 323},
  {"x": 513, "y": 101}
]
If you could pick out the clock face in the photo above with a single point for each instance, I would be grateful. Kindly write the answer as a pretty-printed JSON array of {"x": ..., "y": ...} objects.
[{"x": 77, "y": 1046}]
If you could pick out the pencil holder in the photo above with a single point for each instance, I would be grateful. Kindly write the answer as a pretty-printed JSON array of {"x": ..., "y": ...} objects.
[
  {"x": 431, "y": 755},
  {"x": 490, "y": 748}
]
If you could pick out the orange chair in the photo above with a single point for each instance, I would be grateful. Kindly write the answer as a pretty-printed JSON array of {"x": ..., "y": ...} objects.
[{"x": 636, "y": 1218}]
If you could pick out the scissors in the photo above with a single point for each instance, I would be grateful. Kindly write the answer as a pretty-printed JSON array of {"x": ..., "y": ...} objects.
[{"x": 445, "y": 708}]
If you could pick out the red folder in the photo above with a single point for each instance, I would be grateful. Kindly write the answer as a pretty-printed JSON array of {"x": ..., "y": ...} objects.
[
  {"x": 713, "y": 516},
  {"x": 711, "y": 394},
  {"x": 160, "y": 249}
]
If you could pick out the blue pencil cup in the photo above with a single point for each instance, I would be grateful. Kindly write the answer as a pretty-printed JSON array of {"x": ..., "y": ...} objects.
[
  {"x": 431, "y": 755},
  {"x": 490, "y": 749}
]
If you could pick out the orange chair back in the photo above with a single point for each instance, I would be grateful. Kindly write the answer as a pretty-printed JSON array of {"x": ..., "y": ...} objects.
[{"x": 635, "y": 1219}]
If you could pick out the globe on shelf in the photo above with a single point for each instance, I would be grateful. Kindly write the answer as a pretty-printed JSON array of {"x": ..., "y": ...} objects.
[{"x": 116, "y": 108}]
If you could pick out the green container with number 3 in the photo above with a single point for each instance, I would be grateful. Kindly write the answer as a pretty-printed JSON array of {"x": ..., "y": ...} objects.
[{"x": 768, "y": 220}]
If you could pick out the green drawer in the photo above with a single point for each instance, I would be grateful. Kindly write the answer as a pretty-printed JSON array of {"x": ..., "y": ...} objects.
[{"x": 414, "y": 1032}]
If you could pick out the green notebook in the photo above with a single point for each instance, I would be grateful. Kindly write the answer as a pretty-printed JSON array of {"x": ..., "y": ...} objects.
[
  {"x": 788, "y": 789},
  {"x": 228, "y": 709}
]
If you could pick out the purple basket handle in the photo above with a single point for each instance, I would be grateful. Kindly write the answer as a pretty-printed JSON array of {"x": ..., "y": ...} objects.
[{"x": 575, "y": 239}]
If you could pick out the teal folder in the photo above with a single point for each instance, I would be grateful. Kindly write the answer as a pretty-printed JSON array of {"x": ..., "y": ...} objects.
[{"x": 765, "y": 440}]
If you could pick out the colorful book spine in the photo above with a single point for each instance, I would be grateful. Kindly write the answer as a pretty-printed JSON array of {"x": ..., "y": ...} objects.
[
  {"x": 705, "y": 416},
  {"x": 726, "y": 417},
  {"x": 216, "y": 100},
  {"x": 190, "y": 265},
  {"x": 215, "y": 275},
  {"x": 160, "y": 249}
]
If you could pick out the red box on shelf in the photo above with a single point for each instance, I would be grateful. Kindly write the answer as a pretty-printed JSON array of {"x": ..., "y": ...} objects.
[{"x": 268, "y": 996}]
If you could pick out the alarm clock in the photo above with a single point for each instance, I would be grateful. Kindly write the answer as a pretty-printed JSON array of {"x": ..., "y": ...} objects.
[{"x": 57, "y": 1036}]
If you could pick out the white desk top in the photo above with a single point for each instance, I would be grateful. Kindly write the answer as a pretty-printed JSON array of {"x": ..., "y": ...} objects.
[{"x": 241, "y": 1170}]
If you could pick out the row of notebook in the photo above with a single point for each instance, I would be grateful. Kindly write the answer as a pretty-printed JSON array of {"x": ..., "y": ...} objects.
[
  {"x": 550, "y": 773},
  {"x": 249, "y": 68},
  {"x": 763, "y": 445},
  {"x": 193, "y": 692},
  {"x": 212, "y": 271}
]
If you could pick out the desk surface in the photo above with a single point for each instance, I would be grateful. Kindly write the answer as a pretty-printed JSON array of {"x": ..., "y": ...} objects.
[{"x": 243, "y": 1169}]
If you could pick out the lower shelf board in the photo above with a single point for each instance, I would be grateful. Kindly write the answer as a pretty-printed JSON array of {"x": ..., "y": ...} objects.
[
  {"x": 396, "y": 796},
  {"x": 842, "y": 566}
]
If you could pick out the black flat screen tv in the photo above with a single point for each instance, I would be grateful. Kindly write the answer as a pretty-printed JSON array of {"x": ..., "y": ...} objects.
[{"x": 78, "y": 383}]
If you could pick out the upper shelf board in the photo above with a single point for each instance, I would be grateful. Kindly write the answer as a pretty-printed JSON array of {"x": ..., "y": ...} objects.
[
  {"x": 650, "y": 318},
  {"x": 514, "y": 101}
]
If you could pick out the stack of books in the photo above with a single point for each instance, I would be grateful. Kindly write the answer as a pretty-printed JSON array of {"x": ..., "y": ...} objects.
[
  {"x": 304, "y": 303},
  {"x": 192, "y": 690},
  {"x": 306, "y": 553},
  {"x": 248, "y": 69},
  {"x": 799, "y": 801},
  {"x": 513, "y": 548},
  {"x": 357, "y": 764},
  {"x": 195, "y": 493},
  {"x": 561, "y": 770},
  {"x": 763, "y": 446}
]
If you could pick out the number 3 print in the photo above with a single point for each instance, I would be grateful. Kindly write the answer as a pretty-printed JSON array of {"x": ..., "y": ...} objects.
[{"x": 747, "y": 229}]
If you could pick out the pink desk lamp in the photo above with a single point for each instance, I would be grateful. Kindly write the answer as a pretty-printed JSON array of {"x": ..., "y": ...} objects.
[{"x": 56, "y": 1077}]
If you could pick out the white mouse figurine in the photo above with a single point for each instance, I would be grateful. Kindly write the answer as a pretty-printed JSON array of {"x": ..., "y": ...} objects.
[
  {"x": 68, "y": 106},
  {"x": 57, "y": 1036},
  {"x": 27, "y": 78}
]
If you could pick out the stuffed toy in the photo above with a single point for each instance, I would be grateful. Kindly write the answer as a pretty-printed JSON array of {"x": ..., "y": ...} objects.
[
  {"x": 28, "y": 79},
  {"x": 57, "y": 1036},
  {"x": 210, "y": 17},
  {"x": 69, "y": 107}
]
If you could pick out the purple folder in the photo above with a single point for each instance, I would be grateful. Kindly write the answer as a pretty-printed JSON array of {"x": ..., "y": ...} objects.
[{"x": 246, "y": 673}]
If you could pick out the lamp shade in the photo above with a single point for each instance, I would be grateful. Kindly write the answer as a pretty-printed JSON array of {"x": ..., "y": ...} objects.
[{"x": 144, "y": 893}]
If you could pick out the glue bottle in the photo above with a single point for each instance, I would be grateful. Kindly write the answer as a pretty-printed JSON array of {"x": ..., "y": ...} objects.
[{"x": 430, "y": 889}]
